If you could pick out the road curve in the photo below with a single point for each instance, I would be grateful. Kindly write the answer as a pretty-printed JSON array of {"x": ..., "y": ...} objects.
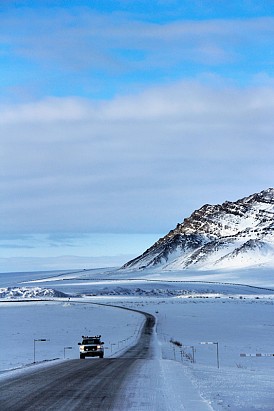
[{"x": 76, "y": 384}]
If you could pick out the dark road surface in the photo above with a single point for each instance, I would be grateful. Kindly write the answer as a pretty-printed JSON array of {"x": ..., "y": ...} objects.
[{"x": 76, "y": 384}]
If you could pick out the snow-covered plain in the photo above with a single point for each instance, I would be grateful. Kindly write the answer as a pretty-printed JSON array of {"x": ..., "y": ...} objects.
[{"x": 240, "y": 318}]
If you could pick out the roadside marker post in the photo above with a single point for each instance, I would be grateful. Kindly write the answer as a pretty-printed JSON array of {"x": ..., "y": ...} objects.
[
  {"x": 66, "y": 348},
  {"x": 111, "y": 344},
  {"x": 34, "y": 341},
  {"x": 217, "y": 346}
]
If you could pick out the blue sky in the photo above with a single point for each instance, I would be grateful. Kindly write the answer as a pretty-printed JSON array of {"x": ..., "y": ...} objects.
[{"x": 120, "y": 118}]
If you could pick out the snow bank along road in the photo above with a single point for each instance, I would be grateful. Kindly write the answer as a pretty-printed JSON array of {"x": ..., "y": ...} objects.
[{"x": 129, "y": 382}]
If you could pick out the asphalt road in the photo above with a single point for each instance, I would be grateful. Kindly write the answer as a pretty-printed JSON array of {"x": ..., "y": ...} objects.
[{"x": 91, "y": 384}]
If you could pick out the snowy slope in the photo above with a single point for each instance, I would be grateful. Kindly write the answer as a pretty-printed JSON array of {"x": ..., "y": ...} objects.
[{"x": 231, "y": 235}]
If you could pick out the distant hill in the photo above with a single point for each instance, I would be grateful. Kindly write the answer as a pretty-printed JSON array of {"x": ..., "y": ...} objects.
[
  {"x": 229, "y": 235},
  {"x": 30, "y": 292}
]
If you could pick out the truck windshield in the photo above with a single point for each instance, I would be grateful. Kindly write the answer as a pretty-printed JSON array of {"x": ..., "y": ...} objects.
[{"x": 91, "y": 341}]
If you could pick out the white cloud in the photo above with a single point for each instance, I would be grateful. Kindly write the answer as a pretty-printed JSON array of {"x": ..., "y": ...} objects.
[
  {"x": 45, "y": 111},
  {"x": 81, "y": 40},
  {"x": 137, "y": 163}
]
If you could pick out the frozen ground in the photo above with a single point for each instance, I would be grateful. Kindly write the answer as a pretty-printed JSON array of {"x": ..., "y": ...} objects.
[
  {"x": 62, "y": 323},
  {"x": 239, "y": 318}
]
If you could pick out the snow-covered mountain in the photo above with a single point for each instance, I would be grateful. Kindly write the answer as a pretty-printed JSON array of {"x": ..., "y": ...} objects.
[{"x": 229, "y": 235}]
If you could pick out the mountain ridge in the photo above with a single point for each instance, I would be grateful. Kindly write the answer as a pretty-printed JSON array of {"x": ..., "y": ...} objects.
[{"x": 232, "y": 234}]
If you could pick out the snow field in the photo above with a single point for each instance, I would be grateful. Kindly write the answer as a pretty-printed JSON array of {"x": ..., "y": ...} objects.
[
  {"x": 239, "y": 326},
  {"x": 63, "y": 324}
]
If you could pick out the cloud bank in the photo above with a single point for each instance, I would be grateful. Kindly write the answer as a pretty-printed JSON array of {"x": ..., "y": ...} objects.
[{"x": 139, "y": 163}]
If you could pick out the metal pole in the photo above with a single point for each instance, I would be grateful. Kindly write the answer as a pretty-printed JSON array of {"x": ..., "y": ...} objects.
[
  {"x": 217, "y": 345},
  {"x": 218, "y": 362},
  {"x": 34, "y": 341},
  {"x": 193, "y": 355},
  {"x": 66, "y": 348}
]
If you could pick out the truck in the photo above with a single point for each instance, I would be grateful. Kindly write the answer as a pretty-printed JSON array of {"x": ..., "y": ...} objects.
[{"x": 91, "y": 347}]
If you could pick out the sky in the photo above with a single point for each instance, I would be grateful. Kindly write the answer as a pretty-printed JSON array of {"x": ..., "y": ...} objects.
[{"x": 118, "y": 119}]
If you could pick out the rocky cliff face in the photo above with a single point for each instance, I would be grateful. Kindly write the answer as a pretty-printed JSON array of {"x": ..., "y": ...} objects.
[{"x": 228, "y": 235}]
